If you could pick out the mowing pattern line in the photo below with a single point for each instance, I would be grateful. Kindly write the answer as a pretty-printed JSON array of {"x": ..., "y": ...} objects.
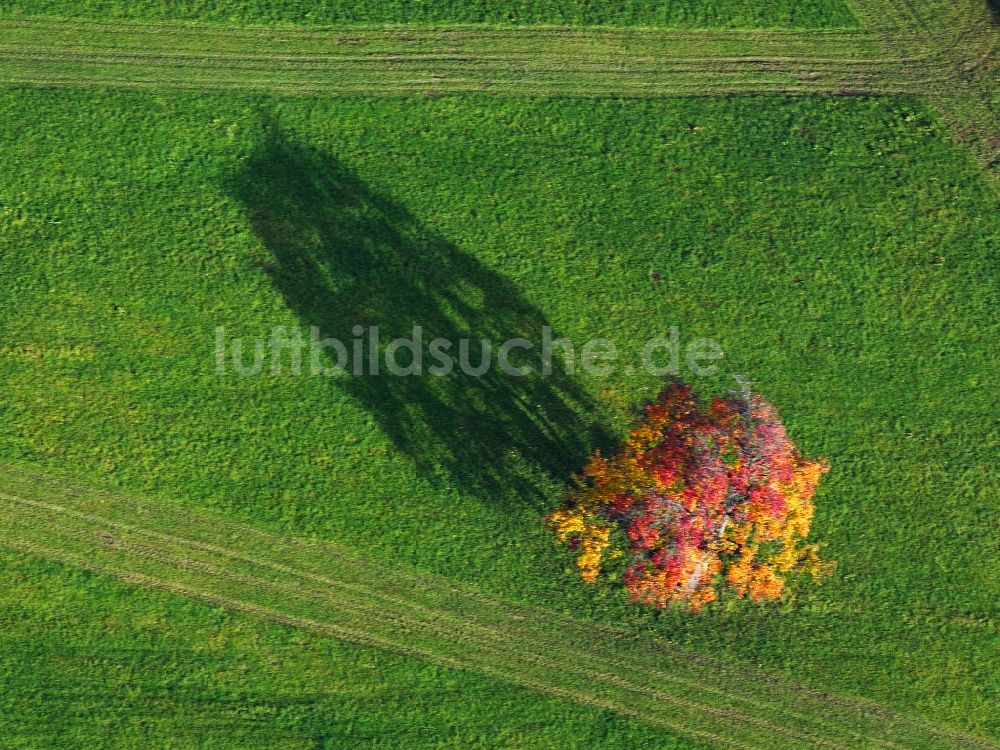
[
  {"x": 944, "y": 49},
  {"x": 960, "y": 40},
  {"x": 325, "y": 588},
  {"x": 538, "y": 61}
]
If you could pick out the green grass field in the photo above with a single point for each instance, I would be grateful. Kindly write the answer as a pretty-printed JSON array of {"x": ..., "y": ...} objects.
[
  {"x": 680, "y": 13},
  {"x": 841, "y": 251},
  {"x": 323, "y": 588},
  {"x": 91, "y": 663},
  {"x": 521, "y": 61}
]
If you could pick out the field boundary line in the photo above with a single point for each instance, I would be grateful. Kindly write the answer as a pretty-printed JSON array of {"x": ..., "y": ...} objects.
[{"x": 898, "y": 51}]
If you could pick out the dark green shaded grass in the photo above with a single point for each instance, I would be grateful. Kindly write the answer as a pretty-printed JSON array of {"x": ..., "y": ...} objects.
[
  {"x": 91, "y": 663},
  {"x": 841, "y": 252},
  {"x": 675, "y": 13}
]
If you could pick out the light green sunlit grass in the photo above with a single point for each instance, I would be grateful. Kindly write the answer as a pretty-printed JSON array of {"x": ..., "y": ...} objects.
[
  {"x": 680, "y": 13},
  {"x": 841, "y": 252},
  {"x": 91, "y": 663}
]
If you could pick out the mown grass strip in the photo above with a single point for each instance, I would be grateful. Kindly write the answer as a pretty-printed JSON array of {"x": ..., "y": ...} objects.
[
  {"x": 944, "y": 50},
  {"x": 543, "y": 61},
  {"x": 961, "y": 41},
  {"x": 389, "y": 631},
  {"x": 940, "y": 49},
  {"x": 407, "y": 613},
  {"x": 323, "y": 587}
]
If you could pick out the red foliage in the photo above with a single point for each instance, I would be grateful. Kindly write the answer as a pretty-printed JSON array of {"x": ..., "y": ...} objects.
[{"x": 709, "y": 499}]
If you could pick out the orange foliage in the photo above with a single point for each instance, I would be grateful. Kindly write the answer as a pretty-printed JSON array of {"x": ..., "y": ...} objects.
[{"x": 709, "y": 500}]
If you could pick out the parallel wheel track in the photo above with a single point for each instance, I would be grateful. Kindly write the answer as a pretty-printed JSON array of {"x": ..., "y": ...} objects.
[{"x": 327, "y": 589}]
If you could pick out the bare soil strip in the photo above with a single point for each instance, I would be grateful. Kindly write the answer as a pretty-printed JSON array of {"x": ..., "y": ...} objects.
[{"x": 331, "y": 590}]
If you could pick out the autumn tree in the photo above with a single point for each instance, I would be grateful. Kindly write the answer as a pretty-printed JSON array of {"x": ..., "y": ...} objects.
[{"x": 702, "y": 500}]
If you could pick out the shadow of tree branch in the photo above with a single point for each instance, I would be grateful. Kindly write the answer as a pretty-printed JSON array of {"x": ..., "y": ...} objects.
[{"x": 342, "y": 256}]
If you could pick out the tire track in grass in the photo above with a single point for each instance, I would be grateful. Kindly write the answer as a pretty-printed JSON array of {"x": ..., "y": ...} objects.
[
  {"x": 966, "y": 60},
  {"x": 901, "y": 52},
  {"x": 364, "y": 638},
  {"x": 865, "y": 707},
  {"x": 476, "y": 617},
  {"x": 650, "y": 62},
  {"x": 703, "y": 75},
  {"x": 480, "y": 644},
  {"x": 587, "y": 694},
  {"x": 498, "y": 641}
]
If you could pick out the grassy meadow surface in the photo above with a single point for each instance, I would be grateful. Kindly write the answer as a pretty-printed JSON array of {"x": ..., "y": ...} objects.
[
  {"x": 841, "y": 251},
  {"x": 679, "y": 13},
  {"x": 90, "y": 663}
]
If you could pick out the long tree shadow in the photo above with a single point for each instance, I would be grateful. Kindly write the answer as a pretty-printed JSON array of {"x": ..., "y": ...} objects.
[{"x": 343, "y": 256}]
